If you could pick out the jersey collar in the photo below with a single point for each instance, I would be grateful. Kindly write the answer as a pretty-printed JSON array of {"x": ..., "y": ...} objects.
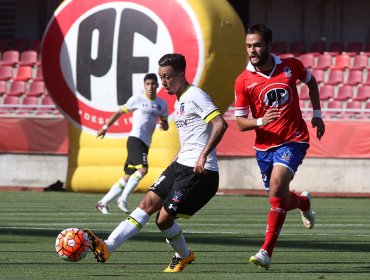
[{"x": 251, "y": 68}]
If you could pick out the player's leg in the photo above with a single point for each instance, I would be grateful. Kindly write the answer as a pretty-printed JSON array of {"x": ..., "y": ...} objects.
[
  {"x": 112, "y": 194},
  {"x": 150, "y": 204}
]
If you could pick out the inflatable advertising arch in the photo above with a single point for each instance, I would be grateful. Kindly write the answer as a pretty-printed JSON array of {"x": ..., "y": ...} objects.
[{"x": 95, "y": 54}]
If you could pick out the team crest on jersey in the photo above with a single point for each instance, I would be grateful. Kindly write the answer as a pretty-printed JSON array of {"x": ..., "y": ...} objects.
[
  {"x": 181, "y": 109},
  {"x": 287, "y": 72},
  {"x": 286, "y": 156},
  {"x": 156, "y": 106},
  {"x": 177, "y": 197}
]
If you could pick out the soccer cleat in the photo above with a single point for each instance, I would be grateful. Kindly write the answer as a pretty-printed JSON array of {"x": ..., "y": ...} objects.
[
  {"x": 178, "y": 264},
  {"x": 98, "y": 246},
  {"x": 122, "y": 204},
  {"x": 261, "y": 259},
  {"x": 102, "y": 208},
  {"x": 308, "y": 216}
]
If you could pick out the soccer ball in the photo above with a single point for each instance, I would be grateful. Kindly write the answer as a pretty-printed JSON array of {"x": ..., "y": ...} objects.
[{"x": 72, "y": 244}]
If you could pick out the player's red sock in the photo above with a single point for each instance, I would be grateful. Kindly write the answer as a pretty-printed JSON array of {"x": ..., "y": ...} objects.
[
  {"x": 275, "y": 221},
  {"x": 298, "y": 201}
]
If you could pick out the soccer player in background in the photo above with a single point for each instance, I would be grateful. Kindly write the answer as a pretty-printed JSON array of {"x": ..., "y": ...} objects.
[
  {"x": 147, "y": 110},
  {"x": 267, "y": 89},
  {"x": 189, "y": 182}
]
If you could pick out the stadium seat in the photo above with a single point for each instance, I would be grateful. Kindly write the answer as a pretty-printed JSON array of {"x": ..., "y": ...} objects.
[
  {"x": 10, "y": 58},
  {"x": 17, "y": 88},
  {"x": 29, "y": 58},
  {"x": 334, "y": 108},
  {"x": 342, "y": 61},
  {"x": 353, "y": 107},
  {"x": 6, "y": 73},
  {"x": 2, "y": 88},
  {"x": 39, "y": 76},
  {"x": 24, "y": 73},
  {"x": 279, "y": 47},
  {"x": 360, "y": 61},
  {"x": 319, "y": 75},
  {"x": 37, "y": 88},
  {"x": 367, "y": 80},
  {"x": 29, "y": 105},
  {"x": 324, "y": 61},
  {"x": 336, "y": 48},
  {"x": 354, "y": 77},
  {"x": 363, "y": 93},
  {"x": 10, "y": 104},
  {"x": 20, "y": 44},
  {"x": 336, "y": 76},
  {"x": 303, "y": 93},
  {"x": 297, "y": 48},
  {"x": 354, "y": 48},
  {"x": 318, "y": 47},
  {"x": 345, "y": 92},
  {"x": 47, "y": 106},
  {"x": 326, "y": 92},
  {"x": 308, "y": 59}
]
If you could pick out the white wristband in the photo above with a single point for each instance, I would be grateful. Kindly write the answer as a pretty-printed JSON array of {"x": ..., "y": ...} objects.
[
  {"x": 105, "y": 127},
  {"x": 316, "y": 114},
  {"x": 259, "y": 122}
]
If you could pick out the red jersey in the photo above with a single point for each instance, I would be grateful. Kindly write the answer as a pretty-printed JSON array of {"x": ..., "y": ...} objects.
[{"x": 257, "y": 92}]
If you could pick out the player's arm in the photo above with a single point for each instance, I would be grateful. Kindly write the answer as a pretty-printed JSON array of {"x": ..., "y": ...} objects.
[
  {"x": 244, "y": 123},
  {"x": 218, "y": 128},
  {"x": 163, "y": 123},
  {"x": 112, "y": 120},
  {"x": 316, "y": 120}
]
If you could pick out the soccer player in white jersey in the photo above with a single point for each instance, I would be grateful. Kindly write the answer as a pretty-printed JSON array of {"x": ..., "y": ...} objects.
[
  {"x": 147, "y": 110},
  {"x": 189, "y": 182}
]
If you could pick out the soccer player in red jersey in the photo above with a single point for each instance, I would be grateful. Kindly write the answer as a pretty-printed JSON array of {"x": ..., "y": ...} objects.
[{"x": 267, "y": 89}]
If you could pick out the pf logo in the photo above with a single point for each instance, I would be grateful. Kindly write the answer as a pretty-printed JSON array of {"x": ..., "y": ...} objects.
[
  {"x": 276, "y": 95},
  {"x": 95, "y": 54}
]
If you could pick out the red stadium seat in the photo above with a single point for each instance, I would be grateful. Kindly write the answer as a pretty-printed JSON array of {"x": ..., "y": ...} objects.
[
  {"x": 47, "y": 106},
  {"x": 17, "y": 88},
  {"x": 336, "y": 76},
  {"x": 354, "y": 48},
  {"x": 24, "y": 73},
  {"x": 334, "y": 109},
  {"x": 308, "y": 59},
  {"x": 342, "y": 61},
  {"x": 319, "y": 75},
  {"x": 21, "y": 44},
  {"x": 353, "y": 107},
  {"x": 367, "y": 80},
  {"x": 39, "y": 76},
  {"x": 336, "y": 48},
  {"x": 29, "y": 105},
  {"x": 324, "y": 61},
  {"x": 303, "y": 93},
  {"x": 10, "y": 58},
  {"x": 326, "y": 92},
  {"x": 37, "y": 88},
  {"x": 10, "y": 104},
  {"x": 363, "y": 93},
  {"x": 297, "y": 48},
  {"x": 344, "y": 93},
  {"x": 354, "y": 77},
  {"x": 279, "y": 47},
  {"x": 29, "y": 58},
  {"x": 6, "y": 73},
  {"x": 318, "y": 47},
  {"x": 2, "y": 88},
  {"x": 360, "y": 61}
]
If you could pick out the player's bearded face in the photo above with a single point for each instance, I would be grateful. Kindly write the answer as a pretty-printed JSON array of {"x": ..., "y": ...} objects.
[{"x": 257, "y": 49}]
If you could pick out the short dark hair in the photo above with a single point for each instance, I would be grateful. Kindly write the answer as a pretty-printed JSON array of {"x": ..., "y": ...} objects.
[
  {"x": 262, "y": 30},
  {"x": 177, "y": 61},
  {"x": 151, "y": 76}
]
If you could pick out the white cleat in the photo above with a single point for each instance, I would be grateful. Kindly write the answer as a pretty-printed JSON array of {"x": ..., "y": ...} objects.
[
  {"x": 261, "y": 259},
  {"x": 308, "y": 216},
  {"x": 102, "y": 208},
  {"x": 122, "y": 204}
]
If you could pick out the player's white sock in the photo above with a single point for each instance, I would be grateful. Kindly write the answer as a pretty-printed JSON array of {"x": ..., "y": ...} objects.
[
  {"x": 114, "y": 191},
  {"x": 131, "y": 185},
  {"x": 127, "y": 229},
  {"x": 176, "y": 240}
]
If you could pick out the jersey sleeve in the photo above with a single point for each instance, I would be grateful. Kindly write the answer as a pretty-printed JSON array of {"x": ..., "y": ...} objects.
[
  {"x": 204, "y": 107},
  {"x": 241, "y": 100},
  {"x": 130, "y": 105},
  {"x": 303, "y": 73}
]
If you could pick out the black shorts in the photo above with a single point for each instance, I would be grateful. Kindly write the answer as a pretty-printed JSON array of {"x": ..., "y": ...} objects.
[
  {"x": 137, "y": 155},
  {"x": 184, "y": 192}
]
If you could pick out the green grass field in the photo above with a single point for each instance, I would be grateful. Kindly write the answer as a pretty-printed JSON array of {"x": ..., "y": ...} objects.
[{"x": 223, "y": 235}]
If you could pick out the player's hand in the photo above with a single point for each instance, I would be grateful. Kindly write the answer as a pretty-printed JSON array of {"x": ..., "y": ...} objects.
[
  {"x": 101, "y": 133},
  {"x": 199, "y": 165},
  {"x": 270, "y": 116},
  {"x": 319, "y": 124}
]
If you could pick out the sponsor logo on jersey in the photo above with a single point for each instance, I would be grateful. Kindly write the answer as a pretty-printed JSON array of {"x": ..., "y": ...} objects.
[{"x": 287, "y": 72}]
